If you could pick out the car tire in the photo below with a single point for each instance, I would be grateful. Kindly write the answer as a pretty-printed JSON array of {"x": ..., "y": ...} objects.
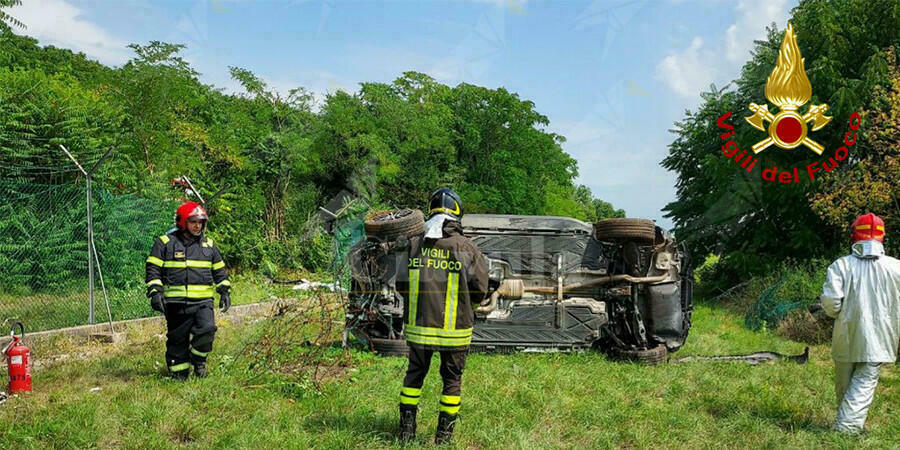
[
  {"x": 389, "y": 225},
  {"x": 651, "y": 356},
  {"x": 389, "y": 347},
  {"x": 622, "y": 229}
]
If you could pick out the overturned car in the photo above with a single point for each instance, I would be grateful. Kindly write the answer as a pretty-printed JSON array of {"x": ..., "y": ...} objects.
[{"x": 558, "y": 284}]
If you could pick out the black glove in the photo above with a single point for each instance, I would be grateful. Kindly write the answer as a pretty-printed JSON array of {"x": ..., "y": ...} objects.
[
  {"x": 224, "y": 300},
  {"x": 156, "y": 301}
]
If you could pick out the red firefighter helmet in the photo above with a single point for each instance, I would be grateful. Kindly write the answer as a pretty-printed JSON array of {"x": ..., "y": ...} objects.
[
  {"x": 868, "y": 227},
  {"x": 189, "y": 210}
]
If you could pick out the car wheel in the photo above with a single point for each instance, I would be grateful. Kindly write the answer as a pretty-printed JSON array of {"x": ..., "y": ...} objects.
[
  {"x": 390, "y": 225},
  {"x": 650, "y": 356},
  {"x": 620, "y": 229},
  {"x": 389, "y": 347}
]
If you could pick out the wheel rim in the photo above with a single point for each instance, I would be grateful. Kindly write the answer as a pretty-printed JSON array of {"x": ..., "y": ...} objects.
[{"x": 391, "y": 215}]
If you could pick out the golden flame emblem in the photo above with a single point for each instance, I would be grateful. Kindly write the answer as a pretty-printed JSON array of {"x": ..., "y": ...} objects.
[{"x": 789, "y": 89}]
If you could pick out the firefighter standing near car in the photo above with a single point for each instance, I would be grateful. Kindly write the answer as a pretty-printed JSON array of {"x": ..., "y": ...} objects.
[
  {"x": 184, "y": 270},
  {"x": 862, "y": 292},
  {"x": 446, "y": 274}
]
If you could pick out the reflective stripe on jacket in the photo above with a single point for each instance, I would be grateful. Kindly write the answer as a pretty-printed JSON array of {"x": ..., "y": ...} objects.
[
  {"x": 444, "y": 277},
  {"x": 188, "y": 269}
]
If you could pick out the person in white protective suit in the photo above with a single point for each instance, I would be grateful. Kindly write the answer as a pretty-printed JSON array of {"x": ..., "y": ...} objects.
[{"x": 862, "y": 293}]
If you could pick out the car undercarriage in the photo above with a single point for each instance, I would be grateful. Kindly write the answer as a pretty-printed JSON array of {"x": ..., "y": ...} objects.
[{"x": 557, "y": 284}]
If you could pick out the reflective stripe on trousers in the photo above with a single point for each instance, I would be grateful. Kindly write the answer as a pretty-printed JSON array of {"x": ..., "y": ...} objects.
[
  {"x": 450, "y": 404},
  {"x": 410, "y": 396}
]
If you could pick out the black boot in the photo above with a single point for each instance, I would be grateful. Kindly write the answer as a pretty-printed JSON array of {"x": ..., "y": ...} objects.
[
  {"x": 446, "y": 422},
  {"x": 408, "y": 422},
  {"x": 181, "y": 375},
  {"x": 200, "y": 369}
]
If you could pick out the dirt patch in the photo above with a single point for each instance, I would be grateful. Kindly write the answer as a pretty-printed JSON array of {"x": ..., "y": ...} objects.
[{"x": 319, "y": 373}]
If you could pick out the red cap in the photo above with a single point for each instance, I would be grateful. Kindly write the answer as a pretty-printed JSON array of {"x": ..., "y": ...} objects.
[
  {"x": 189, "y": 210},
  {"x": 868, "y": 227}
]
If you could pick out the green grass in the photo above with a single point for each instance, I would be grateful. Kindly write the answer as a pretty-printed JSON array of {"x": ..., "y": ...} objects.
[{"x": 512, "y": 401}]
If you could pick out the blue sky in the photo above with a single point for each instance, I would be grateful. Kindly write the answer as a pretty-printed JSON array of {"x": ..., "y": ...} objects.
[{"x": 612, "y": 76}]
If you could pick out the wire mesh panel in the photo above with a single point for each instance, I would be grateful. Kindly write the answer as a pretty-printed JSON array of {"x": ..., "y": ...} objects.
[
  {"x": 43, "y": 254},
  {"x": 44, "y": 279},
  {"x": 124, "y": 229}
]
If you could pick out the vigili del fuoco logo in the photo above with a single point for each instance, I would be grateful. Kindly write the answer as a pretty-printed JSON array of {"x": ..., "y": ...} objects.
[{"x": 789, "y": 89}]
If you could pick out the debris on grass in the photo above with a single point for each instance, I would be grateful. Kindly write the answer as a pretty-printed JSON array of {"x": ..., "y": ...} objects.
[
  {"x": 753, "y": 358},
  {"x": 301, "y": 340},
  {"x": 306, "y": 285}
]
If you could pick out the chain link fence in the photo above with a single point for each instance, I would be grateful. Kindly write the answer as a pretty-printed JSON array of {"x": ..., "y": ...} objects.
[
  {"x": 44, "y": 269},
  {"x": 44, "y": 259}
]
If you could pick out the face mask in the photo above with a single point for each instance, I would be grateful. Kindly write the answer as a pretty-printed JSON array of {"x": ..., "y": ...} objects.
[
  {"x": 434, "y": 227},
  {"x": 867, "y": 249}
]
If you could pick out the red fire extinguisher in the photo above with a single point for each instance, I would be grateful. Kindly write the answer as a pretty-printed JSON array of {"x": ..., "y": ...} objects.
[{"x": 18, "y": 359}]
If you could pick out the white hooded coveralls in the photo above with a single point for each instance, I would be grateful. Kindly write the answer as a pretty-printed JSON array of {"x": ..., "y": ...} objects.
[{"x": 862, "y": 293}]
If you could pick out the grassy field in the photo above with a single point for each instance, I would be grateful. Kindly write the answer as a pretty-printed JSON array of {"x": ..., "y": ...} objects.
[{"x": 514, "y": 401}]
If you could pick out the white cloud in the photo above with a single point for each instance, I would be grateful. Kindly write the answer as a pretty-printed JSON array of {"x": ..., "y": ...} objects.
[
  {"x": 688, "y": 72},
  {"x": 59, "y": 23},
  {"x": 753, "y": 18}
]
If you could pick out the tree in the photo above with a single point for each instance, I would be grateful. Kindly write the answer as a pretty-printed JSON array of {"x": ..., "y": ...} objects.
[
  {"x": 6, "y": 19},
  {"x": 722, "y": 209},
  {"x": 396, "y": 142},
  {"x": 158, "y": 90},
  {"x": 869, "y": 184},
  {"x": 280, "y": 152}
]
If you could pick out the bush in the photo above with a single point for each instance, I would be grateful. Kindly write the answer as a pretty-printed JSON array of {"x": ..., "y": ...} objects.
[
  {"x": 793, "y": 286},
  {"x": 801, "y": 326},
  {"x": 777, "y": 299},
  {"x": 705, "y": 271}
]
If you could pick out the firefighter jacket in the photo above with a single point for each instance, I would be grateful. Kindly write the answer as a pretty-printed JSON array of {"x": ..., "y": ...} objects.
[
  {"x": 862, "y": 293},
  {"x": 445, "y": 276},
  {"x": 186, "y": 268}
]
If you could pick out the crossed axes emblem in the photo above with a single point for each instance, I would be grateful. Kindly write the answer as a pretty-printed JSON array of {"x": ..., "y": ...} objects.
[{"x": 788, "y": 129}]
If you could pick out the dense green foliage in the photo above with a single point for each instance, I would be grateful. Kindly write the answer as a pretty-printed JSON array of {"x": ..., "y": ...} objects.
[
  {"x": 756, "y": 224},
  {"x": 281, "y": 155}
]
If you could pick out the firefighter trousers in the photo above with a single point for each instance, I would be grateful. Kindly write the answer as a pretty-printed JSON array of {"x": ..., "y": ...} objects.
[
  {"x": 452, "y": 365},
  {"x": 191, "y": 330},
  {"x": 854, "y": 386}
]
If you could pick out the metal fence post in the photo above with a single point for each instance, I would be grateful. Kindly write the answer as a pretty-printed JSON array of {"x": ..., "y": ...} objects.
[
  {"x": 90, "y": 236},
  {"x": 90, "y": 230}
]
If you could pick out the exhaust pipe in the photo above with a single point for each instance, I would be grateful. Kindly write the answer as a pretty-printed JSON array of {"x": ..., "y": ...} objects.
[{"x": 513, "y": 289}]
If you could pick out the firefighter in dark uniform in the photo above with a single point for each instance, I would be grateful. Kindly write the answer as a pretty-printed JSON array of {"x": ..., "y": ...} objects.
[
  {"x": 446, "y": 275},
  {"x": 183, "y": 272}
]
